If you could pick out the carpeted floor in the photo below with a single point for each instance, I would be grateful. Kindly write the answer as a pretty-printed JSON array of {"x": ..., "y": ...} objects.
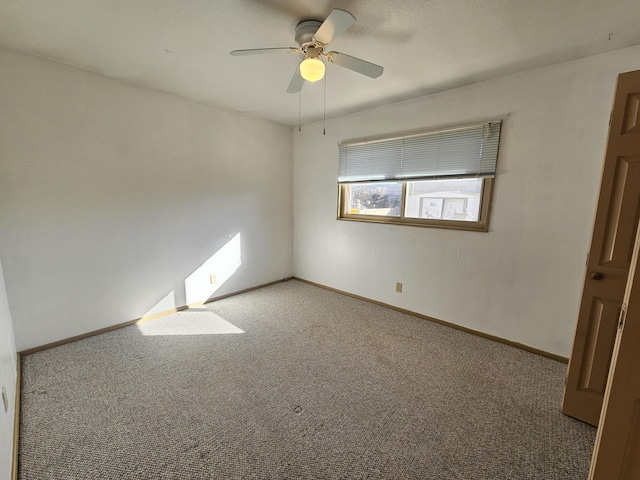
[{"x": 295, "y": 382}]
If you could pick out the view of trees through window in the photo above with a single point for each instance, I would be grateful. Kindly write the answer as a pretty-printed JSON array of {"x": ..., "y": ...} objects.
[{"x": 379, "y": 198}]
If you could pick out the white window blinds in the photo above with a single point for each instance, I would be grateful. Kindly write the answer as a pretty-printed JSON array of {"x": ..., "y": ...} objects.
[{"x": 456, "y": 153}]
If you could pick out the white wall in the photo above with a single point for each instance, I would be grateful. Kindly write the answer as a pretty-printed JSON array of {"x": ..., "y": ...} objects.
[
  {"x": 8, "y": 381},
  {"x": 113, "y": 194},
  {"x": 522, "y": 280}
]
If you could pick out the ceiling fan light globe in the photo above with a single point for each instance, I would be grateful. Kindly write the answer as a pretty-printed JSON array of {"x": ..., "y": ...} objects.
[{"x": 312, "y": 69}]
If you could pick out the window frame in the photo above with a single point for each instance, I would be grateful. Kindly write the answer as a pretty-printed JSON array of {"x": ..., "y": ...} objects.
[
  {"x": 446, "y": 152},
  {"x": 481, "y": 225}
]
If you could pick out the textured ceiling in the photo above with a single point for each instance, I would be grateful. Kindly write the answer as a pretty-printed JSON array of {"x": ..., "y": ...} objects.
[{"x": 425, "y": 46}]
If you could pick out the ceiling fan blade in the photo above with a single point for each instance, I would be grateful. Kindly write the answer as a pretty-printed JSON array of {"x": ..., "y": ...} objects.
[
  {"x": 258, "y": 51},
  {"x": 356, "y": 64},
  {"x": 335, "y": 24},
  {"x": 296, "y": 81}
]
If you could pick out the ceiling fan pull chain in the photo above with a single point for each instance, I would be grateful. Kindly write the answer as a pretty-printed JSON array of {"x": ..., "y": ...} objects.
[
  {"x": 299, "y": 109},
  {"x": 324, "y": 108}
]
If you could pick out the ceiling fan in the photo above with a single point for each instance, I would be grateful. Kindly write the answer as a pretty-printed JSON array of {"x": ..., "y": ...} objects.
[{"x": 313, "y": 37}]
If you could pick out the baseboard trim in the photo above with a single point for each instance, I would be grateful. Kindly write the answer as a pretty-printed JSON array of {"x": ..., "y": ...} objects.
[
  {"x": 117, "y": 326},
  {"x": 488, "y": 336},
  {"x": 478, "y": 333},
  {"x": 16, "y": 419}
]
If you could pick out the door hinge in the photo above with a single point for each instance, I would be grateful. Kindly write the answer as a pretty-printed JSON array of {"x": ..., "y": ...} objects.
[
  {"x": 623, "y": 312},
  {"x": 610, "y": 117}
]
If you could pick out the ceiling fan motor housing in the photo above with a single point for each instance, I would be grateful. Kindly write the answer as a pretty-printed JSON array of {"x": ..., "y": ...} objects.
[{"x": 305, "y": 31}]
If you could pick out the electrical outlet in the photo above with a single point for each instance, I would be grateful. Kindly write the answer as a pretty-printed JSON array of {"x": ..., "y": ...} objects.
[
  {"x": 399, "y": 287},
  {"x": 5, "y": 400},
  {"x": 213, "y": 279}
]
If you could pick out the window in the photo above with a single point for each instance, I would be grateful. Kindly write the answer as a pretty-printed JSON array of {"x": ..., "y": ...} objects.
[{"x": 439, "y": 178}]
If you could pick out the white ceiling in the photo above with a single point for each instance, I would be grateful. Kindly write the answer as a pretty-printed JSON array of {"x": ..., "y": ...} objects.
[{"x": 425, "y": 46}]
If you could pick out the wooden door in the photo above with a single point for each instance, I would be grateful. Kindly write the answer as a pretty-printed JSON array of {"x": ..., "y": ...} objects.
[
  {"x": 609, "y": 257},
  {"x": 616, "y": 455}
]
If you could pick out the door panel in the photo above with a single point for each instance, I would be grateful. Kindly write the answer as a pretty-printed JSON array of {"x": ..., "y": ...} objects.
[
  {"x": 616, "y": 454},
  {"x": 610, "y": 254},
  {"x": 632, "y": 114},
  {"x": 619, "y": 233},
  {"x": 599, "y": 345}
]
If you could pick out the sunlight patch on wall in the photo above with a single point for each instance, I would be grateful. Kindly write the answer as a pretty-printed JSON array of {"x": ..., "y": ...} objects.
[
  {"x": 194, "y": 321},
  {"x": 167, "y": 303},
  {"x": 218, "y": 268}
]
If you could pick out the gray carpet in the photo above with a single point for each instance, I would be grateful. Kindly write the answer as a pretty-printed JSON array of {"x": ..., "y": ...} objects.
[{"x": 295, "y": 382}]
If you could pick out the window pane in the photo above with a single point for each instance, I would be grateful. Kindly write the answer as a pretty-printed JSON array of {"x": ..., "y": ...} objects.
[
  {"x": 457, "y": 200},
  {"x": 380, "y": 198}
]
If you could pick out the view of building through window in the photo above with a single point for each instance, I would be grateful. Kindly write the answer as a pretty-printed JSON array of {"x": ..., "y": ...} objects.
[{"x": 444, "y": 199}]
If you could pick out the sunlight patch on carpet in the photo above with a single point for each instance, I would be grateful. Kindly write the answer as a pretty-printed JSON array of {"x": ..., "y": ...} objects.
[{"x": 189, "y": 322}]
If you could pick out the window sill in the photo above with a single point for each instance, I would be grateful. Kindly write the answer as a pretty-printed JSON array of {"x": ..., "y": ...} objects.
[{"x": 416, "y": 222}]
